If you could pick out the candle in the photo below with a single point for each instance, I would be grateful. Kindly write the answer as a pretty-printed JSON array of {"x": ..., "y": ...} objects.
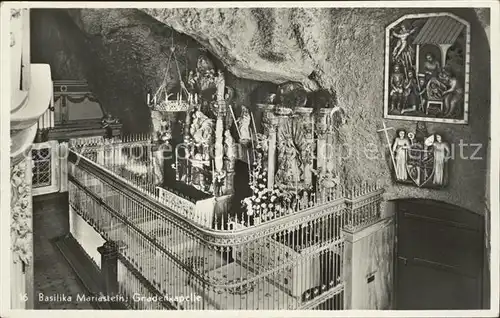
[
  {"x": 154, "y": 100},
  {"x": 253, "y": 146},
  {"x": 196, "y": 98},
  {"x": 253, "y": 121},
  {"x": 312, "y": 128},
  {"x": 148, "y": 99},
  {"x": 213, "y": 169},
  {"x": 250, "y": 170}
]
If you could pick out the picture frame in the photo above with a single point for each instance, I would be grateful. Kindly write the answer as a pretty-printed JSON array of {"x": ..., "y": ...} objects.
[{"x": 427, "y": 63}]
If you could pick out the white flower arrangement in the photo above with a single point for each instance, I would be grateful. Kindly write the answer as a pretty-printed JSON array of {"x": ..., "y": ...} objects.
[{"x": 264, "y": 204}]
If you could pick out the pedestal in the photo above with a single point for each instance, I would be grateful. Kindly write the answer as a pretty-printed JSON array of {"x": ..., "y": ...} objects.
[
  {"x": 368, "y": 267},
  {"x": 109, "y": 267}
]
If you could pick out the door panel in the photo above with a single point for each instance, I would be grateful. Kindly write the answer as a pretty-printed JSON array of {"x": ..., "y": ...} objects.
[{"x": 439, "y": 256}]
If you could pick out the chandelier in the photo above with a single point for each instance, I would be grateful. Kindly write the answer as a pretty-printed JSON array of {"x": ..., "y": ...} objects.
[{"x": 162, "y": 100}]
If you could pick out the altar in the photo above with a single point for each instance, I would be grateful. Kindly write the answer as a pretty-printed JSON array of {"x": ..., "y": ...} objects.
[{"x": 289, "y": 154}]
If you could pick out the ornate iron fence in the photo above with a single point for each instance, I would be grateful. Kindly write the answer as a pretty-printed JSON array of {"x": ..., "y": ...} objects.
[{"x": 292, "y": 261}]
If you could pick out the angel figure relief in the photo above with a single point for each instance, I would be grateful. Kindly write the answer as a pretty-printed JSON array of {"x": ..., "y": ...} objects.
[{"x": 402, "y": 47}]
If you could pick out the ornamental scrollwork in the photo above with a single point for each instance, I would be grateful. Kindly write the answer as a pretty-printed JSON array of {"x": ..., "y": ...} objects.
[
  {"x": 15, "y": 13},
  {"x": 21, "y": 229}
]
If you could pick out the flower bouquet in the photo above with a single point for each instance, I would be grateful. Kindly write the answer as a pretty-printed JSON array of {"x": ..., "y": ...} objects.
[{"x": 266, "y": 204}]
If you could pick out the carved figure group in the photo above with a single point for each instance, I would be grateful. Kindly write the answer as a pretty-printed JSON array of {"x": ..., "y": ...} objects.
[
  {"x": 420, "y": 161},
  {"x": 290, "y": 170},
  {"x": 427, "y": 78},
  {"x": 202, "y": 129}
]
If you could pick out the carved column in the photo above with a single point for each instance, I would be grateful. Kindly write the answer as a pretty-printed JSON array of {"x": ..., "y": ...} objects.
[
  {"x": 330, "y": 144},
  {"x": 28, "y": 103},
  {"x": 307, "y": 151},
  {"x": 230, "y": 162},
  {"x": 219, "y": 148},
  {"x": 272, "y": 125},
  {"x": 322, "y": 145},
  {"x": 21, "y": 232},
  {"x": 219, "y": 137}
]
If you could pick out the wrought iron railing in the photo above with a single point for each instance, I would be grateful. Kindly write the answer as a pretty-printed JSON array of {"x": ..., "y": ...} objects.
[
  {"x": 136, "y": 291},
  {"x": 293, "y": 261}
]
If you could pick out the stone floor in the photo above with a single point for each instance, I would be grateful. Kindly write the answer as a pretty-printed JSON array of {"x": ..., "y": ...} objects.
[{"x": 53, "y": 276}]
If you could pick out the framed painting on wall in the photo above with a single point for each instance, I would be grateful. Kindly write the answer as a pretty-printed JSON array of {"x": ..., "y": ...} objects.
[{"x": 427, "y": 64}]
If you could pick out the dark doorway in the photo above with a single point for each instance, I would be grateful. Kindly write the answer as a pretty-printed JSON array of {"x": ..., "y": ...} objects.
[{"x": 439, "y": 256}]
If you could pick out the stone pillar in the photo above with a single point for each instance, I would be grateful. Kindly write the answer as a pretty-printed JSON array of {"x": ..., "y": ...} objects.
[
  {"x": 21, "y": 232},
  {"x": 368, "y": 266},
  {"x": 109, "y": 267}
]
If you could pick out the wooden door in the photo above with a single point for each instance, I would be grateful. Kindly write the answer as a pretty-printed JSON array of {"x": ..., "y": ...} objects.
[{"x": 439, "y": 256}]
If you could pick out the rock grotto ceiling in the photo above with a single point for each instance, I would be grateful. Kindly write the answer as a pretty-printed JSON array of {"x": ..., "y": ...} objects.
[{"x": 123, "y": 53}]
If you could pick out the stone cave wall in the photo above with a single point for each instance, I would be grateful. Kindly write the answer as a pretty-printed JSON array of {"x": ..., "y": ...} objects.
[
  {"x": 342, "y": 50},
  {"x": 122, "y": 53}
]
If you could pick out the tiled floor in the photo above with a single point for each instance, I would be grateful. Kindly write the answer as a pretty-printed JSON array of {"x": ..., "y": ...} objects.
[{"x": 53, "y": 276}]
